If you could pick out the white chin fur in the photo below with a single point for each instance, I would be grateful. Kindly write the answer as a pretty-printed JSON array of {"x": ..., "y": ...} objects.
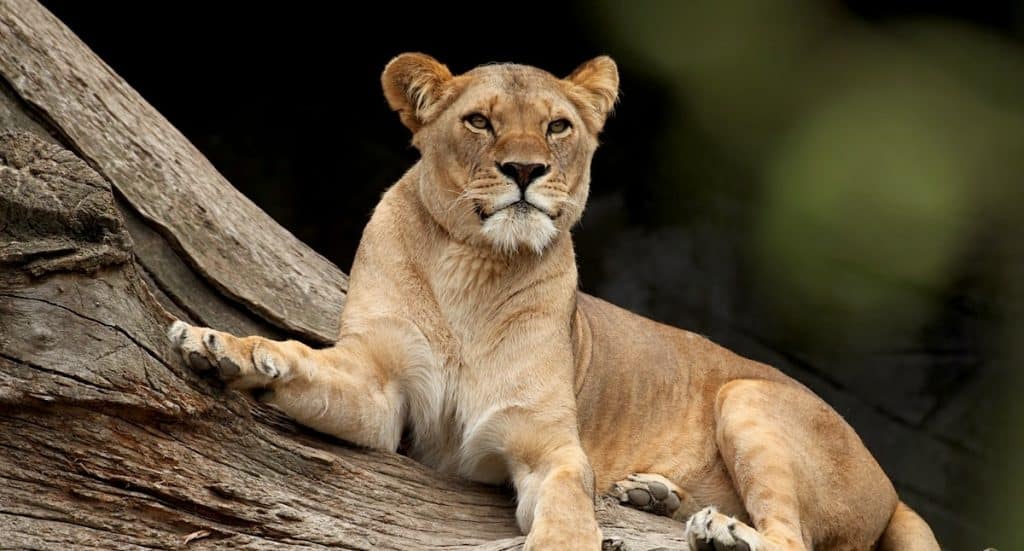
[{"x": 511, "y": 231}]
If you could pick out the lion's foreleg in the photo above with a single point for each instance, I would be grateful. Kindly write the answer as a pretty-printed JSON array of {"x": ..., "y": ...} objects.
[
  {"x": 554, "y": 486},
  {"x": 351, "y": 390}
]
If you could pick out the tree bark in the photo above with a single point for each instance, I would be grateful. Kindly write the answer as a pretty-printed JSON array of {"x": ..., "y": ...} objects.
[{"x": 111, "y": 225}]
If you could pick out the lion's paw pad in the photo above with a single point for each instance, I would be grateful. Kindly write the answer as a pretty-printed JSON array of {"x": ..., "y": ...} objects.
[{"x": 649, "y": 492}]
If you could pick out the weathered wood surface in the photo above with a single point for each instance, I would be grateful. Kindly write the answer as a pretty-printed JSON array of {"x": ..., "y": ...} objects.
[
  {"x": 164, "y": 178},
  {"x": 106, "y": 440}
]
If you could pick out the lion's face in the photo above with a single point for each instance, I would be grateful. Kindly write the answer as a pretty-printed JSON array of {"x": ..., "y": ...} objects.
[{"x": 506, "y": 148}]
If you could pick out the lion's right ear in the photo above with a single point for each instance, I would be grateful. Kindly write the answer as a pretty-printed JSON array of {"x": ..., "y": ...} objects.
[
  {"x": 595, "y": 88},
  {"x": 417, "y": 86}
]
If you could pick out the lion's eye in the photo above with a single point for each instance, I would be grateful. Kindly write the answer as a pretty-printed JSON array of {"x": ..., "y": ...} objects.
[
  {"x": 559, "y": 126},
  {"x": 478, "y": 121}
]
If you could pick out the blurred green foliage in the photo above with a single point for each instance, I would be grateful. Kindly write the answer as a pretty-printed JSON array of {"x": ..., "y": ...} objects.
[{"x": 881, "y": 160}]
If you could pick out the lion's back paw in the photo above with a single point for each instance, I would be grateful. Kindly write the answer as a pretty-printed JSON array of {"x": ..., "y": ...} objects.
[
  {"x": 655, "y": 494},
  {"x": 709, "y": 530}
]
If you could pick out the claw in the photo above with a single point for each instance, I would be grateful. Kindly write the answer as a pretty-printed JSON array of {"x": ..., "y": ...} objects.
[
  {"x": 211, "y": 342},
  {"x": 177, "y": 332}
]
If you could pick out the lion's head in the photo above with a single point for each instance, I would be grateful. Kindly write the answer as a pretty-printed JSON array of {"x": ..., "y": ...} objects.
[{"x": 505, "y": 148}]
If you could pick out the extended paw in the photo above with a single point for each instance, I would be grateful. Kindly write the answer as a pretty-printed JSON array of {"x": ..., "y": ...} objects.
[
  {"x": 709, "y": 530},
  {"x": 242, "y": 363},
  {"x": 652, "y": 493}
]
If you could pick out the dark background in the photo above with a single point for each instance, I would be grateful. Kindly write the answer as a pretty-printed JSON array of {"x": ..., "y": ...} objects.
[{"x": 830, "y": 187}]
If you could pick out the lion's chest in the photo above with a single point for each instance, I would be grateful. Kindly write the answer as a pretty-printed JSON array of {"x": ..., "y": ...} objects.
[
  {"x": 474, "y": 382},
  {"x": 461, "y": 433},
  {"x": 458, "y": 430}
]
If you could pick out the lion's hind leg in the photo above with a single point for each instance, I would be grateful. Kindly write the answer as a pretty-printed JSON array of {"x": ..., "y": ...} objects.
[{"x": 803, "y": 474}]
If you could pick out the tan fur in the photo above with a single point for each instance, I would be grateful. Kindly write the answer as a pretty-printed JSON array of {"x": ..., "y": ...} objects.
[{"x": 464, "y": 330}]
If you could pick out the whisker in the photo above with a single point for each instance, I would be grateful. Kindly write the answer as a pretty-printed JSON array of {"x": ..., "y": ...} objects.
[
  {"x": 467, "y": 195},
  {"x": 464, "y": 196}
]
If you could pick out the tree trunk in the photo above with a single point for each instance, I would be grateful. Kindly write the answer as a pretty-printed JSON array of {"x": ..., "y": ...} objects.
[{"x": 111, "y": 225}]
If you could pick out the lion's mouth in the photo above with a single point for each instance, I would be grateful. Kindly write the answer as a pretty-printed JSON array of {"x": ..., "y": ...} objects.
[{"x": 522, "y": 206}]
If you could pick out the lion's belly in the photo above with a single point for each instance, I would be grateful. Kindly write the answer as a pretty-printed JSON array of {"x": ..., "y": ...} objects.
[{"x": 646, "y": 403}]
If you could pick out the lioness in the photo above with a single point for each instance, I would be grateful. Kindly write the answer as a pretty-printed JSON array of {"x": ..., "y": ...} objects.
[{"x": 464, "y": 330}]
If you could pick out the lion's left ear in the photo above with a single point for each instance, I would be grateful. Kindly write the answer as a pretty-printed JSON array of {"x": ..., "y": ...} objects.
[
  {"x": 417, "y": 87},
  {"x": 594, "y": 86}
]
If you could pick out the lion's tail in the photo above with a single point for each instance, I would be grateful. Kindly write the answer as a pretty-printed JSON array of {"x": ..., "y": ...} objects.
[{"x": 907, "y": 531}]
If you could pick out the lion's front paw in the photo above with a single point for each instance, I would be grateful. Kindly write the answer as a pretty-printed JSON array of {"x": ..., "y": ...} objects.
[
  {"x": 248, "y": 362},
  {"x": 709, "y": 530}
]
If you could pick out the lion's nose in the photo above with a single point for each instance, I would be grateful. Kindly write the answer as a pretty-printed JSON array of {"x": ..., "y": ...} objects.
[{"x": 523, "y": 174}]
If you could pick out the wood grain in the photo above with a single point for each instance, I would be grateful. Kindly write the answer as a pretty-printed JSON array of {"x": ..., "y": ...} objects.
[{"x": 165, "y": 178}]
